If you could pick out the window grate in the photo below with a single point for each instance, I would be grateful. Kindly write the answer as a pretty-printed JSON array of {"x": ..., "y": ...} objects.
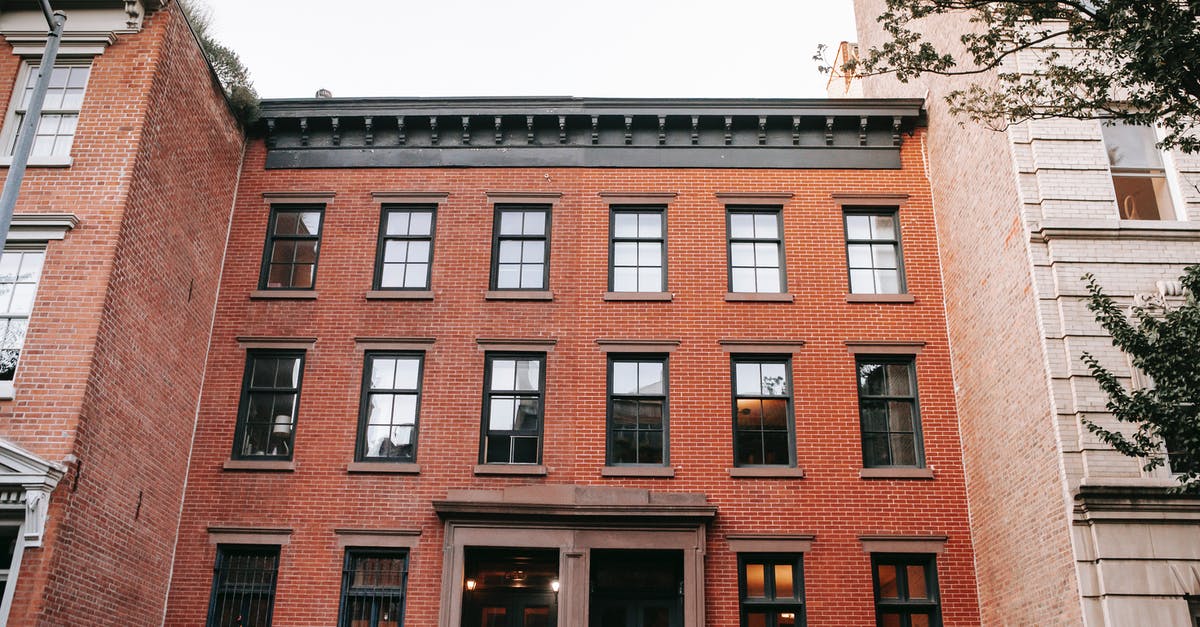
[
  {"x": 243, "y": 593},
  {"x": 373, "y": 588}
]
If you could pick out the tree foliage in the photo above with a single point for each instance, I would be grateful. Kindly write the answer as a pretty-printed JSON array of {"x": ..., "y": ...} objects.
[
  {"x": 1137, "y": 60},
  {"x": 233, "y": 74},
  {"x": 1163, "y": 343}
]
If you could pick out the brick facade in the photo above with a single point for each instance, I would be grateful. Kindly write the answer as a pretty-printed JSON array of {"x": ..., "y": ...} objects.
[{"x": 111, "y": 369}]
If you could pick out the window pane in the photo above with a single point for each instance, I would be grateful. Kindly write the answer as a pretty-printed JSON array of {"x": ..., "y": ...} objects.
[
  {"x": 862, "y": 282},
  {"x": 625, "y": 279},
  {"x": 891, "y": 620},
  {"x": 306, "y": 251},
  {"x": 766, "y": 255},
  {"x": 874, "y": 415},
  {"x": 756, "y": 619},
  {"x": 883, "y": 227},
  {"x": 625, "y": 377},
  {"x": 310, "y": 223},
  {"x": 741, "y": 254},
  {"x": 531, "y": 276},
  {"x": 774, "y": 414},
  {"x": 875, "y": 450},
  {"x": 871, "y": 379},
  {"x": 1143, "y": 197},
  {"x": 748, "y": 378},
  {"x": 625, "y": 413},
  {"x": 755, "y": 581},
  {"x": 787, "y": 619},
  {"x": 649, "y": 254},
  {"x": 406, "y": 373},
  {"x": 858, "y": 227},
  {"x": 775, "y": 448},
  {"x": 383, "y": 372},
  {"x": 650, "y": 225},
  {"x": 887, "y": 581},
  {"x": 749, "y": 448},
  {"x": 302, "y": 275},
  {"x": 525, "y": 450},
  {"x": 1131, "y": 146},
  {"x": 625, "y": 224},
  {"x": 417, "y": 275},
  {"x": 860, "y": 255},
  {"x": 749, "y": 413},
  {"x": 650, "y": 414},
  {"x": 900, "y": 416},
  {"x": 783, "y": 582},
  {"x": 498, "y": 449},
  {"x": 884, "y": 255},
  {"x": 510, "y": 251},
  {"x": 527, "y": 375},
  {"x": 743, "y": 280},
  {"x": 887, "y": 281},
  {"x": 510, "y": 222},
  {"x": 774, "y": 379},
  {"x": 508, "y": 276},
  {"x": 624, "y": 254},
  {"x": 650, "y": 448},
  {"x": 535, "y": 223},
  {"x": 397, "y": 222},
  {"x": 504, "y": 373},
  {"x": 288, "y": 374},
  {"x": 420, "y": 223},
  {"x": 904, "y": 450},
  {"x": 418, "y": 252},
  {"x": 766, "y": 225},
  {"x": 379, "y": 410},
  {"x": 10, "y": 266},
  {"x": 650, "y": 378},
  {"x": 898, "y": 380},
  {"x": 502, "y": 413},
  {"x": 917, "y": 588},
  {"x": 533, "y": 252},
  {"x": 918, "y": 620},
  {"x": 649, "y": 279},
  {"x": 741, "y": 225},
  {"x": 527, "y": 415},
  {"x": 768, "y": 281}
]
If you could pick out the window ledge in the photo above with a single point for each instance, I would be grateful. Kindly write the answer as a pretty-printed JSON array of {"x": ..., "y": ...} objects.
[
  {"x": 637, "y": 471},
  {"x": 767, "y": 472},
  {"x": 640, "y": 296},
  {"x": 7, "y": 392},
  {"x": 39, "y": 162},
  {"x": 896, "y": 473},
  {"x": 283, "y": 295},
  {"x": 395, "y": 468},
  {"x": 757, "y": 297},
  {"x": 400, "y": 295},
  {"x": 519, "y": 295},
  {"x": 880, "y": 298},
  {"x": 263, "y": 465},
  {"x": 535, "y": 470}
]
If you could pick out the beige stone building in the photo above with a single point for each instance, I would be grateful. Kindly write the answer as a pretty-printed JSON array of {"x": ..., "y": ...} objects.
[{"x": 1066, "y": 530}]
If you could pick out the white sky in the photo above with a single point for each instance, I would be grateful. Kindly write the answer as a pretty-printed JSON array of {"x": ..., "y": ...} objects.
[{"x": 634, "y": 48}]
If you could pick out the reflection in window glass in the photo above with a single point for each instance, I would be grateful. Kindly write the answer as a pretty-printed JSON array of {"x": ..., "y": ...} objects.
[
  {"x": 55, "y": 132},
  {"x": 20, "y": 271},
  {"x": 270, "y": 396},
  {"x": 762, "y": 406},
  {"x": 293, "y": 237},
  {"x": 1138, "y": 171},
  {"x": 873, "y": 252},
  {"x": 513, "y": 409},
  {"x": 887, "y": 405},
  {"x": 391, "y": 399}
]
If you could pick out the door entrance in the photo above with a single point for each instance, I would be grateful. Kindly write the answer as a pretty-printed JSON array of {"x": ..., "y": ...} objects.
[
  {"x": 510, "y": 588},
  {"x": 636, "y": 589}
]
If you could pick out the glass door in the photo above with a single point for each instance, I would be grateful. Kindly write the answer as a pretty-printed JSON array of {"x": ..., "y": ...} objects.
[
  {"x": 636, "y": 589},
  {"x": 510, "y": 588}
]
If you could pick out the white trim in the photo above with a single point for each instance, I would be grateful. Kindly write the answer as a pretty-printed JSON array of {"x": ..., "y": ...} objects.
[
  {"x": 13, "y": 571},
  {"x": 37, "y": 477},
  {"x": 10, "y": 128},
  {"x": 40, "y": 227},
  {"x": 6, "y": 394}
]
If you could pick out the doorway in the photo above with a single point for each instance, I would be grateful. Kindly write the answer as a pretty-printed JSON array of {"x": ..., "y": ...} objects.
[
  {"x": 510, "y": 588},
  {"x": 636, "y": 588}
]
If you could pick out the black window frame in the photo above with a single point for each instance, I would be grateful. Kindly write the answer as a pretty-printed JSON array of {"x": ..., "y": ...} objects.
[
  {"x": 796, "y": 603},
  {"x": 364, "y": 412},
  {"x": 227, "y": 552},
  {"x": 892, "y": 212},
  {"x": 906, "y": 606},
  {"x": 271, "y": 238},
  {"x": 376, "y": 594},
  {"x": 381, "y": 245},
  {"x": 730, "y": 240},
  {"x": 239, "y": 433},
  {"x": 915, "y": 399},
  {"x": 497, "y": 238},
  {"x": 610, "y": 430},
  {"x": 540, "y": 395},
  {"x": 1193, "y": 604},
  {"x": 613, "y": 240},
  {"x": 759, "y": 358}
]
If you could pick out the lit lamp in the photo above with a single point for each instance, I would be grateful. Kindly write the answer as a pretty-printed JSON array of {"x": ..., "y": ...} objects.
[
  {"x": 281, "y": 431},
  {"x": 554, "y": 585},
  {"x": 470, "y": 585}
]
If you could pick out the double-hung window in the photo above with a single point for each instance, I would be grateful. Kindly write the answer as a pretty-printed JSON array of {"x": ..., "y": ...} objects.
[
  {"x": 1138, "y": 172},
  {"x": 905, "y": 590},
  {"x": 639, "y": 249},
  {"x": 266, "y": 425},
  {"x": 243, "y": 590},
  {"x": 756, "y": 250},
  {"x": 19, "y": 274},
  {"x": 55, "y": 131},
  {"x": 513, "y": 408},
  {"x": 290, "y": 254},
  {"x": 373, "y": 587},
  {"x": 887, "y": 407},
  {"x": 771, "y": 589},
  {"x": 390, "y": 404},
  {"x": 762, "y": 411},
  {"x": 637, "y": 410},
  {"x": 873, "y": 252},
  {"x": 405, "y": 247},
  {"x": 521, "y": 250}
]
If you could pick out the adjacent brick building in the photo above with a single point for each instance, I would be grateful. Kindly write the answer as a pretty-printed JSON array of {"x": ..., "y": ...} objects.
[
  {"x": 532, "y": 362},
  {"x": 1067, "y": 531},
  {"x": 108, "y": 283}
]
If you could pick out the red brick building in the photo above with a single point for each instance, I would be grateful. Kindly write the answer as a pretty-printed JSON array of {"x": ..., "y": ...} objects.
[
  {"x": 108, "y": 283},
  {"x": 578, "y": 362}
]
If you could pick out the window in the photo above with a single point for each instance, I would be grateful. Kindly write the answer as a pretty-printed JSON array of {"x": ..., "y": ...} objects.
[
  {"x": 290, "y": 256},
  {"x": 512, "y": 408},
  {"x": 1178, "y": 459},
  {"x": 1194, "y": 610},
  {"x": 520, "y": 252},
  {"x": 405, "y": 247},
  {"x": 762, "y": 421},
  {"x": 9, "y": 536},
  {"x": 243, "y": 592},
  {"x": 905, "y": 591},
  {"x": 887, "y": 407},
  {"x": 270, "y": 397},
  {"x": 637, "y": 410},
  {"x": 373, "y": 585},
  {"x": 772, "y": 590},
  {"x": 873, "y": 252},
  {"x": 1139, "y": 176},
  {"x": 60, "y": 112},
  {"x": 391, "y": 398},
  {"x": 639, "y": 250},
  {"x": 19, "y": 274},
  {"x": 755, "y": 251}
]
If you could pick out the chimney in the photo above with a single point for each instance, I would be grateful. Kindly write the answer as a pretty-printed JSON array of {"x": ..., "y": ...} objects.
[
  {"x": 842, "y": 84},
  {"x": 323, "y": 93}
]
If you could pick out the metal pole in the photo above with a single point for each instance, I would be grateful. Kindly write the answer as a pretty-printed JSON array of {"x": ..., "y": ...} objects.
[{"x": 33, "y": 115}]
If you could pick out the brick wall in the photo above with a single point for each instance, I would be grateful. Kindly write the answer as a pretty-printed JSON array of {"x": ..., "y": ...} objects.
[
  {"x": 114, "y": 358},
  {"x": 830, "y": 502}
]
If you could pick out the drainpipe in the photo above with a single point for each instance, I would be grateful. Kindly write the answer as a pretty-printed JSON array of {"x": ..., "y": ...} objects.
[{"x": 33, "y": 114}]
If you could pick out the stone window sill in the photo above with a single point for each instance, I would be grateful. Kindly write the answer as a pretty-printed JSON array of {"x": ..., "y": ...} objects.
[
  {"x": 519, "y": 295},
  {"x": 639, "y": 296},
  {"x": 40, "y": 162},
  {"x": 7, "y": 392},
  {"x": 896, "y": 473},
  {"x": 637, "y": 471},
  {"x": 283, "y": 295},
  {"x": 392, "y": 468},
  {"x": 264, "y": 465},
  {"x": 880, "y": 298},
  {"x": 529, "y": 470},
  {"x": 767, "y": 472},
  {"x": 754, "y": 297},
  {"x": 400, "y": 295}
]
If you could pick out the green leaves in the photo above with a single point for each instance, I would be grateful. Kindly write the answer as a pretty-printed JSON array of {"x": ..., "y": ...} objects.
[
  {"x": 1132, "y": 59},
  {"x": 1163, "y": 344},
  {"x": 233, "y": 74}
]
